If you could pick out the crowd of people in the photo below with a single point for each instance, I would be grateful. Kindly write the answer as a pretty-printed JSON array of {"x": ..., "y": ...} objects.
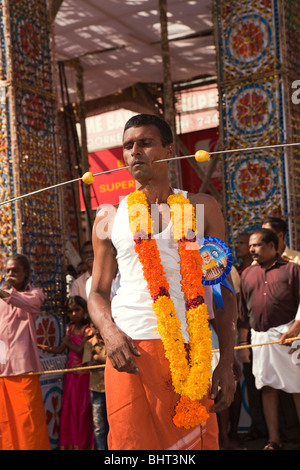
[
  {"x": 268, "y": 299},
  {"x": 113, "y": 323}
]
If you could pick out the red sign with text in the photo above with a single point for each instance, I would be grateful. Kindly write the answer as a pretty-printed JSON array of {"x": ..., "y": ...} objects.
[{"x": 108, "y": 188}]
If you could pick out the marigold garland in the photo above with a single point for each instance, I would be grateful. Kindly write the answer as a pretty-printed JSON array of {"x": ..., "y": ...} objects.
[{"x": 190, "y": 377}]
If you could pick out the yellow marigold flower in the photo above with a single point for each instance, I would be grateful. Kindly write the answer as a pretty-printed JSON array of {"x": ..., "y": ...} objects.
[{"x": 190, "y": 373}]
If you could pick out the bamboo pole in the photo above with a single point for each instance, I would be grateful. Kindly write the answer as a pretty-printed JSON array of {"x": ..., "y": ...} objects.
[
  {"x": 247, "y": 346},
  {"x": 101, "y": 366},
  {"x": 84, "y": 154},
  {"x": 168, "y": 95}
]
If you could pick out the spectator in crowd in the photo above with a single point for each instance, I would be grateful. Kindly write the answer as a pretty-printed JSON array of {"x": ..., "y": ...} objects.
[
  {"x": 79, "y": 285},
  {"x": 269, "y": 305},
  {"x": 242, "y": 251},
  {"x": 76, "y": 425},
  {"x": 22, "y": 415},
  {"x": 228, "y": 419},
  {"x": 71, "y": 275},
  {"x": 94, "y": 353},
  {"x": 258, "y": 427},
  {"x": 279, "y": 226}
]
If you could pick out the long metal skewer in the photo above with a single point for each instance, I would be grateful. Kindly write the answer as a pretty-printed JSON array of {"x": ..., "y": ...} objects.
[{"x": 246, "y": 149}]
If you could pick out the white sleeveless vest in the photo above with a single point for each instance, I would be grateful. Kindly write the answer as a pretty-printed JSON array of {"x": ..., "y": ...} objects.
[{"x": 132, "y": 305}]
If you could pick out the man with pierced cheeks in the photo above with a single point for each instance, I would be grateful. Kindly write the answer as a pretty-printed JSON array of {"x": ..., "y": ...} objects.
[{"x": 140, "y": 398}]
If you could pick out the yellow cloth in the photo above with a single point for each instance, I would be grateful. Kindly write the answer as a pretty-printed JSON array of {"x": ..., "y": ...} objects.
[
  {"x": 291, "y": 255},
  {"x": 210, "y": 265}
]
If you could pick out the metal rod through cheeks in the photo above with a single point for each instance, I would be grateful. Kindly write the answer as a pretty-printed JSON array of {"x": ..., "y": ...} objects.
[{"x": 263, "y": 147}]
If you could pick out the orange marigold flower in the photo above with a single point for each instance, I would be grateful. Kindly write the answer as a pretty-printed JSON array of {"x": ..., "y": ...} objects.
[
  {"x": 189, "y": 413},
  {"x": 190, "y": 376}
]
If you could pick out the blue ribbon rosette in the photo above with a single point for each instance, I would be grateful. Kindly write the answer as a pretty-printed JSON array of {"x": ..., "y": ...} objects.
[{"x": 217, "y": 263}]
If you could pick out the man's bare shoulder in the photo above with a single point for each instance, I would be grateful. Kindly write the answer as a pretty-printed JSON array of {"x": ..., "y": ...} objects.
[
  {"x": 203, "y": 198},
  {"x": 213, "y": 217}
]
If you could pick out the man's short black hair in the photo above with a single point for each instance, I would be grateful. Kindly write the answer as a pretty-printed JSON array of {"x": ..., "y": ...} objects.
[
  {"x": 277, "y": 224},
  {"x": 151, "y": 119},
  {"x": 268, "y": 236}
]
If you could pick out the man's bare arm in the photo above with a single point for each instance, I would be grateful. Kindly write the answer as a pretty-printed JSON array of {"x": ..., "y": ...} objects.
[
  {"x": 119, "y": 346},
  {"x": 223, "y": 385}
]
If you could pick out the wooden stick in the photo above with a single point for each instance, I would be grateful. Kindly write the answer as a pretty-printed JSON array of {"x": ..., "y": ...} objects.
[
  {"x": 60, "y": 371},
  {"x": 246, "y": 346},
  {"x": 85, "y": 368}
]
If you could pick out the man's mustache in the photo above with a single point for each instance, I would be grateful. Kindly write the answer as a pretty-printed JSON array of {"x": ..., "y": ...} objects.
[{"x": 11, "y": 278}]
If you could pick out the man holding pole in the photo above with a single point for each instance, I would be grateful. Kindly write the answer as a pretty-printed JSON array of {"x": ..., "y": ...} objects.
[
  {"x": 22, "y": 415},
  {"x": 269, "y": 305}
]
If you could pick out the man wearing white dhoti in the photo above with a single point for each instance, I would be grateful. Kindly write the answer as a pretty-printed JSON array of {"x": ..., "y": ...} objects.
[{"x": 269, "y": 305}]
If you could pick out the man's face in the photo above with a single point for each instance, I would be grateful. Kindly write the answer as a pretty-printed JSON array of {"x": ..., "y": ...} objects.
[
  {"x": 15, "y": 274},
  {"x": 88, "y": 256},
  {"x": 242, "y": 246},
  {"x": 260, "y": 251},
  {"x": 141, "y": 147}
]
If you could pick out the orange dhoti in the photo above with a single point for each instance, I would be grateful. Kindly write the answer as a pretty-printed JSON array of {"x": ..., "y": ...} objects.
[
  {"x": 140, "y": 407},
  {"x": 22, "y": 414}
]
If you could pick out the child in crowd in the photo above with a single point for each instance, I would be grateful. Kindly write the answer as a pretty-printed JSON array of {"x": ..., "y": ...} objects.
[
  {"x": 76, "y": 421},
  {"x": 95, "y": 354}
]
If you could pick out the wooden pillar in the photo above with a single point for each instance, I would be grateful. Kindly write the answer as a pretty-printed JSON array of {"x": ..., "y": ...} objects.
[
  {"x": 168, "y": 95},
  {"x": 84, "y": 155}
]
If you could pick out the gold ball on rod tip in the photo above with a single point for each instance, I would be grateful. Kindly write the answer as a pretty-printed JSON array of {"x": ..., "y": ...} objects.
[
  {"x": 88, "y": 178},
  {"x": 202, "y": 156}
]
